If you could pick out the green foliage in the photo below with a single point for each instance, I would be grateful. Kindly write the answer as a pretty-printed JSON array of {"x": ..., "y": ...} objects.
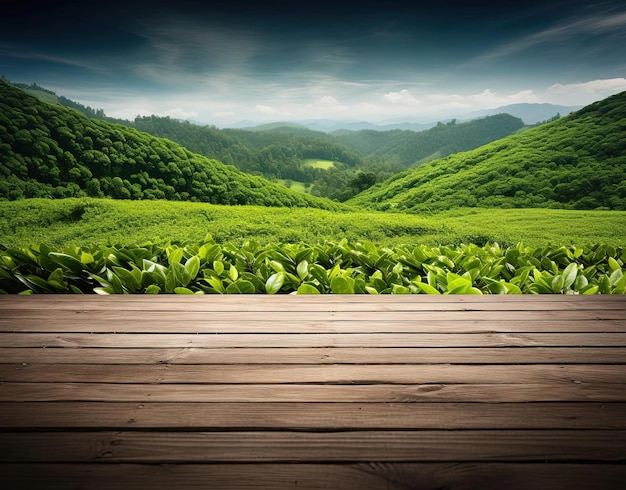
[
  {"x": 576, "y": 162},
  {"x": 325, "y": 268},
  {"x": 408, "y": 148},
  {"x": 282, "y": 153},
  {"x": 47, "y": 150},
  {"x": 87, "y": 221}
]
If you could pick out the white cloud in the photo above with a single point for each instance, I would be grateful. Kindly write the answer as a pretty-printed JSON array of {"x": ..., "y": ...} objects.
[
  {"x": 489, "y": 99},
  {"x": 223, "y": 113},
  {"x": 402, "y": 97},
  {"x": 179, "y": 113},
  {"x": 584, "y": 93},
  {"x": 327, "y": 100},
  {"x": 269, "y": 110}
]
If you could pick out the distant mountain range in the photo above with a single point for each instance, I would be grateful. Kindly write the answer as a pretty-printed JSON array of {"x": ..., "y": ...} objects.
[{"x": 529, "y": 113}]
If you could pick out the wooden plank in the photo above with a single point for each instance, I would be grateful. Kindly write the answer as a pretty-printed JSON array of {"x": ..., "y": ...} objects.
[
  {"x": 320, "y": 303},
  {"x": 175, "y": 325},
  {"x": 109, "y": 392},
  {"x": 302, "y": 315},
  {"x": 331, "y": 374},
  {"x": 312, "y": 416},
  {"x": 300, "y": 447},
  {"x": 373, "y": 340},
  {"x": 363, "y": 476},
  {"x": 331, "y": 355}
]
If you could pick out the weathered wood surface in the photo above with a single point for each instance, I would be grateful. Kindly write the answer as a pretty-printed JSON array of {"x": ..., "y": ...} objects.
[{"x": 335, "y": 392}]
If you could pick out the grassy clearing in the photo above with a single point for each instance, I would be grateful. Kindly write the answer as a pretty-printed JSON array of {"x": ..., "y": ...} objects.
[
  {"x": 294, "y": 185},
  {"x": 316, "y": 163},
  {"x": 100, "y": 221}
]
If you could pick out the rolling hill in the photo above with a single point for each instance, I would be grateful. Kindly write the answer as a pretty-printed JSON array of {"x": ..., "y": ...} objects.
[
  {"x": 578, "y": 162},
  {"x": 47, "y": 150},
  {"x": 409, "y": 148}
]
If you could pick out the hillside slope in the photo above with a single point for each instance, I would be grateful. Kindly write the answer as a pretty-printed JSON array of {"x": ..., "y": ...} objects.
[
  {"x": 409, "y": 148},
  {"x": 274, "y": 153},
  {"x": 47, "y": 150},
  {"x": 578, "y": 161}
]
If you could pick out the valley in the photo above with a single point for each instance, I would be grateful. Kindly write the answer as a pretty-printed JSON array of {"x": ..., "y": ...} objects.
[{"x": 76, "y": 181}]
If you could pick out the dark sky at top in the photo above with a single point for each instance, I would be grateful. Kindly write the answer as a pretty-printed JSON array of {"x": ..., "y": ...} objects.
[{"x": 220, "y": 62}]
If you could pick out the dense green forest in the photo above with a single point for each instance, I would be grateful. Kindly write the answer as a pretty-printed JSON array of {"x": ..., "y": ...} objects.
[
  {"x": 576, "y": 162},
  {"x": 272, "y": 154},
  {"x": 47, "y": 150},
  {"x": 361, "y": 158},
  {"x": 280, "y": 150}
]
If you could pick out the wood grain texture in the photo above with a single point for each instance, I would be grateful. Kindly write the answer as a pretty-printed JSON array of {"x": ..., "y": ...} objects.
[
  {"x": 340, "y": 392},
  {"x": 191, "y": 416},
  {"x": 319, "y": 356},
  {"x": 300, "y": 447},
  {"x": 372, "y": 340},
  {"x": 364, "y": 476},
  {"x": 174, "y": 325},
  {"x": 306, "y": 373}
]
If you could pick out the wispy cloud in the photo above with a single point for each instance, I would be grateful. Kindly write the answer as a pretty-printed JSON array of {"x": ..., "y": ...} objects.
[
  {"x": 404, "y": 96},
  {"x": 583, "y": 93},
  {"x": 566, "y": 30},
  {"x": 66, "y": 60}
]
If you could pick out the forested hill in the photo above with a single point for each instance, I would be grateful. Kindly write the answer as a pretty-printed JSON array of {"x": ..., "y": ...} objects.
[
  {"x": 278, "y": 153},
  {"x": 47, "y": 150},
  {"x": 578, "y": 161},
  {"x": 408, "y": 148}
]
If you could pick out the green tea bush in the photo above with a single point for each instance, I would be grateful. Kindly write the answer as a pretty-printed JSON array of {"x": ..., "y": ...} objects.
[{"x": 323, "y": 268}]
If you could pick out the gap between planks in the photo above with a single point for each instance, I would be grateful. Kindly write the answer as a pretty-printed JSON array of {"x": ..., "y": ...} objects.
[{"x": 319, "y": 356}]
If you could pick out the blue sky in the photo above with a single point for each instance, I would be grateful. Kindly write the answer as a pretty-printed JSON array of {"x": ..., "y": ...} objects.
[{"x": 222, "y": 62}]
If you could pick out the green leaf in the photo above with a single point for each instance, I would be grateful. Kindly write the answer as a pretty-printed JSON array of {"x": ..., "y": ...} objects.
[
  {"x": 277, "y": 266},
  {"x": 591, "y": 289},
  {"x": 342, "y": 285},
  {"x": 218, "y": 267},
  {"x": 307, "y": 289},
  {"x": 67, "y": 261},
  {"x": 193, "y": 266},
  {"x": 241, "y": 287},
  {"x": 170, "y": 280},
  {"x": 319, "y": 273},
  {"x": 174, "y": 255},
  {"x": 427, "y": 288},
  {"x": 274, "y": 283},
  {"x": 181, "y": 290},
  {"x": 130, "y": 280},
  {"x": 153, "y": 289},
  {"x": 115, "y": 283},
  {"x": 233, "y": 273},
  {"x": 56, "y": 277},
  {"x": 569, "y": 275},
  {"x": 303, "y": 270},
  {"x": 86, "y": 258},
  {"x": 371, "y": 290},
  {"x": 216, "y": 284},
  {"x": 615, "y": 276},
  {"x": 397, "y": 289},
  {"x": 557, "y": 284},
  {"x": 613, "y": 264}
]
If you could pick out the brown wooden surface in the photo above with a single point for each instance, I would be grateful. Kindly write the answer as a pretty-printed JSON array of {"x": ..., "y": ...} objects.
[{"x": 338, "y": 392}]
